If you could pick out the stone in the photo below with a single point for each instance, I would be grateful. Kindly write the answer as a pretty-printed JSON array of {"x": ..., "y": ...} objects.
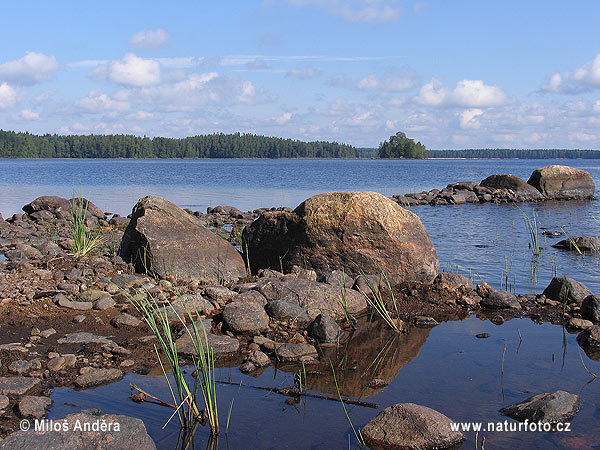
[
  {"x": 313, "y": 297},
  {"x": 4, "y": 402},
  {"x": 324, "y": 328},
  {"x": 590, "y": 308},
  {"x": 104, "y": 302},
  {"x": 425, "y": 321},
  {"x": 284, "y": 310},
  {"x": 580, "y": 244},
  {"x": 84, "y": 338},
  {"x": 484, "y": 289},
  {"x": 245, "y": 318},
  {"x": 452, "y": 280},
  {"x": 219, "y": 294},
  {"x": 120, "y": 432},
  {"x": 20, "y": 366},
  {"x": 589, "y": 337},
  {"x": 305, "y": 274},
  {"x": 410, "y": 426},
  {"x": 523, "y": 191},
  {"x": 61, "y": 362},
  {"x": 126, "y": 281},
  {"x": 125, "y": 320},
  {"x": 561, "y": 289},
  {"x": 27, "y": 251},
  {"x": 574, "y": 322},
  {"x": 344, "y": 230},
  {"x": 501, "y": 300},
  {"x": 47, "y": 333},
  {"x": 32, "y": 406},
  {"x": 96, "y": 377},
  {"x": 252, "y": 296},
  {"x": 62, "y": 300},
  {"x": 220, "y": 345},
  {"x": 259, "y": 359},
  {"x": 339, "y": 278},
  {"x": 194, "y": 303},
  {"x": 563, "y": 182},
  {"x": 13, "y": 386},
  {"x": 555, "y": 407},
  {"x": 295, "y": 352},
  {"x": 163, "y": 239}
]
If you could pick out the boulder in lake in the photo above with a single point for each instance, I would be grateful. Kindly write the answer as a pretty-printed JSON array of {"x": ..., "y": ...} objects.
[
  {"x": 590, "y": 308},
  {"x": 163, "y": 239},
  {"x": 589, "y": 337},
  {"x": 566, "y": 289},
  {"x": 523, "y": 191},
  {"x": 410, "y": 426},
  {"x": 550, "y": 407},
  {"x": 501, "y": 300},
  {"x": 348, "y": 231},
  {"x": 563, "y": 182},
  {"x": 61, "y": 207},
  {"x": 580, "y": 244}
]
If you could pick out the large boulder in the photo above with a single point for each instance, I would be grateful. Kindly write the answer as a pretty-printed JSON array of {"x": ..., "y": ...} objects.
[
  {"x": 163, "y": 239},
  {"x": 550, "y": 408},
  {"x": 410, "y": 426},
  {"x": 580, "y": 244},
  {"x": 344, "y": 230},
  {"x": 563, "y": 182},
  {"x": 62, "y": 208},
  {"x": 566, "y": 289},
  {"x": 522, "y": 190}
]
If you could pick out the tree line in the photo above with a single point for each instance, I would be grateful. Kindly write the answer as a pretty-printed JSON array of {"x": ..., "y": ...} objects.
[
  {"x": 219, "y": 145},
  {"x": 508, "y": 153}
]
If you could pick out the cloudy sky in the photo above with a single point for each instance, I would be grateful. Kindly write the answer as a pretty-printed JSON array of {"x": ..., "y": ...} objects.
[{"x": 452, "y": 74}]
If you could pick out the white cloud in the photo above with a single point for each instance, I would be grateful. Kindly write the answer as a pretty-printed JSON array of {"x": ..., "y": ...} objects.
[
  {"x": 247, "y": 93},
  {"x": 596, "y": 106},
  {"x": 131, "y": 70},
  {"x": 285, "y": 117},
  {"x": 469, "y": 118},
  {"x": 27, "y": 114},
  {"x": 149, "y": 39},
  {"x": 304, "y": 73},
  {"x": 354, "y": 10},
  {"x": 8, "y": 96},
  {"x": 388, "y": 83},
  {"x": 30, "y": 69},
  {"x": 98, "y": 102},
  {"x": 141, "y": 115},
  {"x": 589, "y": 74},
  {"x": 467, "y": 93},
  {"x": 584, "y": 78},
  {"x": 554, "y": 84},
  {"x": 582, "y": 137}
]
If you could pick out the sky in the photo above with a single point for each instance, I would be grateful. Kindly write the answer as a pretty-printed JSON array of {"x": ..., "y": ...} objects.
[{"x": 450, "y": 74}]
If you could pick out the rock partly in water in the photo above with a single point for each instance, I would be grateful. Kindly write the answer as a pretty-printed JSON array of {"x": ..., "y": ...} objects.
[
  {"x": 118, "y": 432},
  {"x": 580, "y": 244},
  {"x": 590, "y": 308},
  {"x": 501, "y": 300},
  {"x": 220, "y": 345},
  {"x": 91, "y": 376},
  {"x": 590, "y": 337},
  {"x": 551, "y": 408},
  {"x": 324, "y": 328},
  {"x": 295, "y": 352},
  {"x": 566, "y": 289},
  {"x": 163, "y": 239},
  {"x": 344, "y": 230},
  {"x": 410, "y": 426},
  {"x": 523, "y": 191},
  {"x": 563, "y": 182}
]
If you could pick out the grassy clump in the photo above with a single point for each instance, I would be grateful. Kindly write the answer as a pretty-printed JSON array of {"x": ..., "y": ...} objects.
[{"x": 85, "y": 241}]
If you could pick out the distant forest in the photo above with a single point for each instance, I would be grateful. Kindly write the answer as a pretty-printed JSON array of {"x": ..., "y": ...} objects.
[
  {"x": 26, "y": 145},
  {"x": 508, "y": 153}
]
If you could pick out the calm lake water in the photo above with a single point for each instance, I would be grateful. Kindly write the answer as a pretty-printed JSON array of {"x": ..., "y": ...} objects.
[{"x": 445, "y": 368}]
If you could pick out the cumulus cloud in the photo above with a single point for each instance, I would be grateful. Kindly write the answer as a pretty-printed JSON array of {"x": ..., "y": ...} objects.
[
  {"x": 469, "y": 118},
  {"x": 303, "y": 73},
  {"x": 390, "y": 82},
  {"x": 354, "y": 10},
  {"x": 131, "y": 70},
  {"x": 30, "y": 69},
  {"x": 467, "y": 93},
  {"x": 285, "y": 117},
  {"x": 150, "y": 39},
  {"x": 98, "y": 102},
  {"x": 584, "y": 78},
  {"x": 27, "y": 114},
  {"x": 8, "y": 96}
]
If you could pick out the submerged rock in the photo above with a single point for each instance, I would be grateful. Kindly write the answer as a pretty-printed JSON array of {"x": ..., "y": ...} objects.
[
  {"x": 563, "y": 182},
  {"x": 410, "y": 426},
  {"x": 118, "y": 432},
  {"x": 344, "y": 230},
  {"x": 163, "y": 239},
  {"x": 554, "y": 407}
]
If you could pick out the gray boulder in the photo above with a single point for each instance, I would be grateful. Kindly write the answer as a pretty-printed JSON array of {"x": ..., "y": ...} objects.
[
  {"x": 501, "y": 300},
  {"x": 245, "y": 318},
  {"x": 410, "y": 426},
  {"x": 590, "y": 308},
  {"x": 324, "y": 329},
  {"x": 563, "y": 182},
  {"x": 580, "y": 243},
  {"x": 554, "y": 407},
  {"x": 220, "y": 345},
  {"x": 523, "y": 191},
  {"x": 284, "y": 310},
  {"x": 561, "y": 289},
  {"x": 164, "y": 240},
  {"x": 295, "y": 352}
]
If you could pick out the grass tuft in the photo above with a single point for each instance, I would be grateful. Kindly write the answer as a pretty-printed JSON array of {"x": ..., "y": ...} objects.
[{"x": 85, "y": 241}]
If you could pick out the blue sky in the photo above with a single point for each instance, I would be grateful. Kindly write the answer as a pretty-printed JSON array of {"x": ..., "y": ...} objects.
[{"x": 452, "y": 74}]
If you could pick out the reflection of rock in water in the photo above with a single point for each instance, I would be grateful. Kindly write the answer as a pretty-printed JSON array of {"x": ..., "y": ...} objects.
[
  {"x": 592, "y": 353},
  {"x": 373, "y": 351}
]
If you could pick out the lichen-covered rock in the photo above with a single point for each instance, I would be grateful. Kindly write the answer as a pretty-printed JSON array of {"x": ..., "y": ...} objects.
[
  {"x": 523, "y": 191},
  {"x": 344, "y": 230},
  {"x": 563, "y": 182},
  {"x": 410, "y": 426},
  {"x": 163, "y": 239}
]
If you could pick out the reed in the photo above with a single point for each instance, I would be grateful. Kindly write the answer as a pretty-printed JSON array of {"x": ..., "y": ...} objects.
[
  {"x": 532, "y": 229},
  {"x": 85, "y": 241},
  {"x": 357, "y": 433},
  {"x": 390, "y": 314}
]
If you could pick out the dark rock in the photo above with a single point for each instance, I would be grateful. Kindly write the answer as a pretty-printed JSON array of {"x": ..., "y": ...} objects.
[
  {"x": 313, "y": 297},
  {"x": 580, "y": 244},
  {"x": 31, "y": 406},
  {"x": 522, "y": 190},
  {"x": 324, "y": 328},
  {"x": 501, "y": 300},
  {"x": 252, "y": 296},
  {"x": 410, "y": 426},
  {"x": 338, "y": 278},
  {"x": 121, "y": 432},
  {"x": 589, "y": 337},
  {"x": 295, "y": 352},
  {"x": 462, "y": 196},
  {"x": 561, "y": 289},
  {"x": 90, "y": 376},
  {"x": 16, "y": 386},
  {"x": 284, "y": 310},
  {"x": 163, "y": 239},
  {"x": 558, "y": 406},
  {"x": 245, "y": 318},
  {"x": 482, "y": 335},
  {"x": 590, "y": 308},
  {"x": 563, "y": 182},
  {"x": 344, "y": 230}
]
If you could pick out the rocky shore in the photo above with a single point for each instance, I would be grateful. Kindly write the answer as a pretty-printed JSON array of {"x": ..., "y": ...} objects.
[{"x": 288, "y": 289}]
